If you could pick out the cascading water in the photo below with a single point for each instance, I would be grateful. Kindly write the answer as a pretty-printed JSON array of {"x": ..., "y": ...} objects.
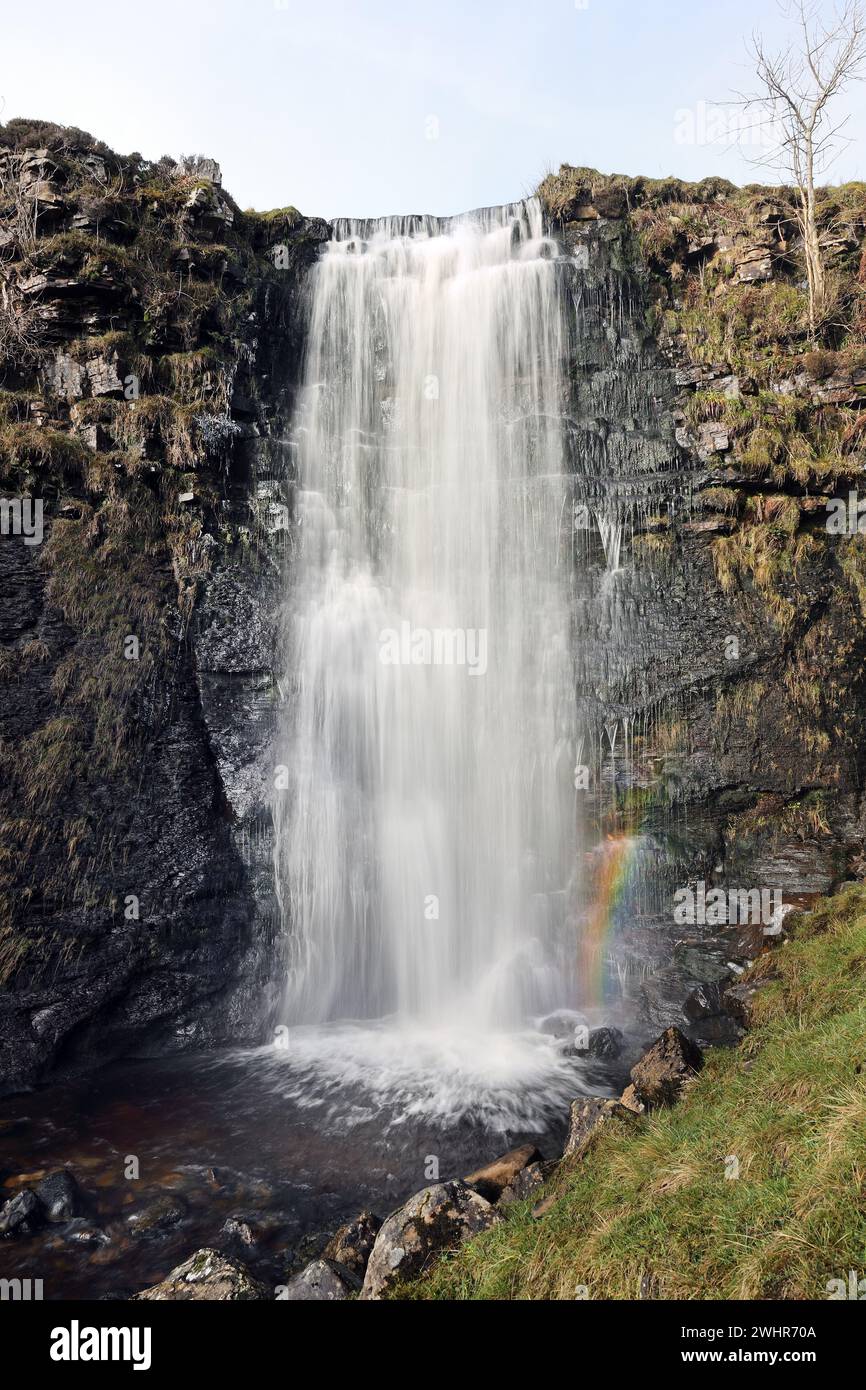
[{"x": 426, "y": 840}]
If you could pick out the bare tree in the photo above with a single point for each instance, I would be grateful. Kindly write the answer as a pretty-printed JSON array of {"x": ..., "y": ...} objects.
[{"x": 797, "y": 87}]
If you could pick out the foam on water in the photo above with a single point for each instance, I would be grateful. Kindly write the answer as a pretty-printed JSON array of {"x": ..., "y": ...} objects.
[{"x": 352, "y": 1072}]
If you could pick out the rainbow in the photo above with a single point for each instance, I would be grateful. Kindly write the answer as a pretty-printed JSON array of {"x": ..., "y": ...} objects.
[{"x": 616, "y": 857}]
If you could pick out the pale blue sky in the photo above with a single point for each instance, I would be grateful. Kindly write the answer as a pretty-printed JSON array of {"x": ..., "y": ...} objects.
[{"x": 330, "y": 105}]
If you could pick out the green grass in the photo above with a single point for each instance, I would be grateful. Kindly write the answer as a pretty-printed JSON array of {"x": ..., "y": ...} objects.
[{"x": 651, "y": 1204}]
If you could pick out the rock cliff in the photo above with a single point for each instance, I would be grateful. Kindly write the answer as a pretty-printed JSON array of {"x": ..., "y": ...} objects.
[{"x": 150, "y": 340}]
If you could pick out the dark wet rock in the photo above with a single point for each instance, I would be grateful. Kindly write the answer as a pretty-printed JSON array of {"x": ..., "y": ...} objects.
[
  {"x": 666, "y": 1066},
  {"x": 719, "y": 1030},
  {"x": 321, "y": 1281},
  {"x": 493, "y": 1178},
  {"x": 83, "y": 1232},
  {"x": 207, "y": 1275},
  {"x": 605, "y": 1042},
  {"x": 243, "y": 1230},
  {"x": 739, "y": 1000},
  {"x": 353, "y": 1243},
  {"x": 159, "y": 1214},
  {"x": 310, "y": 1247},
  {"x": 709, "y": 961},
  {"x": 61, "y": 1196},
  {"x": 588, "y": 1116},
  {"x": 524, "y": 1183},
  {"x": 22, "y": 1215},
  {"x": 703, "y": 1002},
  {"x": 663, "y": 995},
  {"x": 438, "y": 1218},
  {"x": 196, "y": 966}
]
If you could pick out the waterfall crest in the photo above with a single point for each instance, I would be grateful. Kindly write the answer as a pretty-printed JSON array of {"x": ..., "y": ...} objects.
[{"x": 426, "y": 838}]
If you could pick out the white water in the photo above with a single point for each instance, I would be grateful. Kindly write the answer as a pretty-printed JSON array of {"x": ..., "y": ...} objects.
[{"x": 426, "y": 844}]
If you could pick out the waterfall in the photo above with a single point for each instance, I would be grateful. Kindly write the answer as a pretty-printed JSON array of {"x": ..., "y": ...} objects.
[{"x": 426, "y": 852}]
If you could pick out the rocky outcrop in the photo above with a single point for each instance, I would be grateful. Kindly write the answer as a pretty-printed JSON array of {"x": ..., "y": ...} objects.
[
  {"x": 154, "y": 349},
  {"x": 665, "y": 1068},
  {"x": 438, "y": 1218},
  {"x": 744, "y": 614},
  {"x": 206, "y": 1276}
]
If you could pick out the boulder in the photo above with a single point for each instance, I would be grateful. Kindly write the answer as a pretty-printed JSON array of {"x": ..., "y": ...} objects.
[
  {"x": 242, "y": 1230},
  {"x": 438, "y": 1218},
  {"x": 588, "y": 1115},
  {"x": 61, "y": 1196},
  {"x": 492, "y": 1180},
  {"x": 352, "y": 1244},
  {"x": 160, "y": 1214},
  {"x": 605, "y": 1042},
  {"x": 206, "y": 1275},
  {"x": 320, "y": 1282},
  {"x": 22, "y": 1214},
  {"x": 665, "y": 1068},
  {"x": 524, "y": 1183}
]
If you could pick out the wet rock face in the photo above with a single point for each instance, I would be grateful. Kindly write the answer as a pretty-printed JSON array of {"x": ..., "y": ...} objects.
[
  {"x": 707, "y": 668},
  {"x": 437, "y": 1218},
  {"x": 182, "y": 827}
]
